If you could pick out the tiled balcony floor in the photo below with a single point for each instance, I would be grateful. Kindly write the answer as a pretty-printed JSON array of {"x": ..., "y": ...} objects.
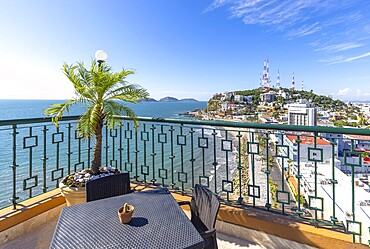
[{"x": 40, "y": 239}]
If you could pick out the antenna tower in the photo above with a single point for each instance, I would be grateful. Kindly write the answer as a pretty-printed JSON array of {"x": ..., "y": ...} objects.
[
  {"x": 266, "y": 79},
  {"x": 278, "y": 80}
]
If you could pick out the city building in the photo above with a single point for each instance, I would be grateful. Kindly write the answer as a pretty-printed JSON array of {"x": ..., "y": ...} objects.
[
  {"x": 302, "y": 113},
  {"x": 268, "y": 97},
  {"x": 238, "y": 98},
  {"x": 248, "y": 99},
  {"x": 322, "y": 152}
]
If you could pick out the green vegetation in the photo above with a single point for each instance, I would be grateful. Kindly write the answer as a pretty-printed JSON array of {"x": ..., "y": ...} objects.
[
  {"x": 342, "y": 114},
  {"x": 273, "y": 188},
  {"x": 244, "y": 163},
  {"x": 302, "y": 199},
  {"x": 324, "y": 102},
  {"x": 253, "y": 92},
  {"x": 271, "y": 162},
  {"x": 290, "y": 163},
  {"x": 212, "y": 105}
]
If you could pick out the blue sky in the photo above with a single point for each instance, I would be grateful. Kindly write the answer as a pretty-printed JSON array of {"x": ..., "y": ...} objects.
[{"x": 188, "y": 48}]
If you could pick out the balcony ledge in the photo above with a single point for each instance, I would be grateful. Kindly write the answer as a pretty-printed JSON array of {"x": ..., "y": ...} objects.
[{"x": 235, "y": 221}]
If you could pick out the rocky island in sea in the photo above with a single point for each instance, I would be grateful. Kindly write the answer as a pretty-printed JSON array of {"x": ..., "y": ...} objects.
[{"x": 170, "y": 99}]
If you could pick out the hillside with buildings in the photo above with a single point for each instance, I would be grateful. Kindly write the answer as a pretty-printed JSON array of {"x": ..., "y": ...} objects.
[
  {"x": 286, "y": 106},
  {"x": 276, "y": 104},
  {"x": 312, "y": 163}
]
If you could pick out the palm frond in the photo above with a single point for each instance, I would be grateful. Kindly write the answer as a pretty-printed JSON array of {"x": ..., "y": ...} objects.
[
  {"x": 113, "y": 109},
  {"x": 56, "y": 111},
  {"x": 128, "y": 93}
]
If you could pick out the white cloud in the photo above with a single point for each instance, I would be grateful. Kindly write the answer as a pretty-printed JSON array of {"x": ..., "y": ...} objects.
[
  {"x": 361, "y": 93},
  {"x": 271, "y": 12},
  {"x": 305, "y": 30},
  {"x": 337, "y": 25},
  {"x": 344, "y": 92},
  {"x": 333, "y": 59},
  {"x": 357, "y": 57},
  {"x": 353, "y": 94},
  {"x": 340, "y": 47},
  {"x": 342, "y": 59},
  {"x": 216, "y": 4}
]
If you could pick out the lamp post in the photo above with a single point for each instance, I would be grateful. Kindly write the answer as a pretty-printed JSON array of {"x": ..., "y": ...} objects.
[{"x": 100, "y": 56}]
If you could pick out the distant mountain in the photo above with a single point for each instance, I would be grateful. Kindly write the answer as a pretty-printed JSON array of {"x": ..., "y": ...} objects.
[
  {"x": 148, "y": 100},
  {"x": 168, "y": 99},
  {"x": 188, "y": 100}
]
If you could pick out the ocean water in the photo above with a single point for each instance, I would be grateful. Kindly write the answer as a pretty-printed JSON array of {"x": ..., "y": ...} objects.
[
  {"x": 21, "y": 109},
  {"x": 164, "y": 153}
]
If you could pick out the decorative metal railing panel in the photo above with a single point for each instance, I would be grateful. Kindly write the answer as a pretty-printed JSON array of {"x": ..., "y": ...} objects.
[{"x": 294, "y": 170}]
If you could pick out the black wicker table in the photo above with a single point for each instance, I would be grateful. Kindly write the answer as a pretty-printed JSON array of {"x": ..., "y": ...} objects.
[{"x": 157, "y": 222}]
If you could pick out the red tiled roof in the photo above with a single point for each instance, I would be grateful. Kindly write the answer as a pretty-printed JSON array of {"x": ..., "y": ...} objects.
[
  {"x": 361, "y": 150},
  {"x": 308, "y": 140},
  {"x": 358, "y": 137}
]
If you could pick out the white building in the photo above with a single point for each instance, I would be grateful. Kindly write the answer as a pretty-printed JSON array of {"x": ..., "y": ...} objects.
[
  {"x": 302, "y": 113},
  {"x": 343, "y": 194},
  {"x": 238, "y": 98},
  {"x": 268, "y": 97},
  {"x": 224, "y": 106},
  {"x": 283, "y": 94}
]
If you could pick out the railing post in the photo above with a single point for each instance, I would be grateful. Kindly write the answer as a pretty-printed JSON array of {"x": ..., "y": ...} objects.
[
  {"x": 283, "y": 178},
  {"x": 192, "y": 159},
  {"x": 120, "y": 149},
  {"x": 182, "y": 143},
  {"x": 214, "y": 133},
  {"x": 239, "y": 136},
  {"x": 162, "y": 156},
  {"x": 14, "y": 166},
  {"x": 315, "y": 163},
  {"x": 89, "y": 148},
  {"x": 153, "y": 154},
  {"x": 44, "y": 158},
  {"x": 267, "y": 172},
  {"x": 299, "y": 176},
  {"x": 106, "y": 146},
  {"x": 30, "y": 160},
  {"x": 136, "y": 155},
  {"x": 227, "y": 150},
  {"x": 251, "y": 156},
  {"x": 353, "y": 191},
  {"x": 172, "y": 157},
  {"x": 333, "y": 181},
  {"x": 128, "y": 145},
  {"x": 145, "y": 161},
  {"x": 113, "y": 136},
  {"x": 69, "y": 127}
]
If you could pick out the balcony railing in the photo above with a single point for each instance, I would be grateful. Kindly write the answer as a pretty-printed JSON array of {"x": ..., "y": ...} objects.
[{"x": 246, "y": 164}]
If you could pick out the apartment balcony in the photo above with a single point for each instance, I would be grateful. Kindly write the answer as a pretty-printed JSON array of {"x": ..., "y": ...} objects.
[{"x": 260, "y": 205}]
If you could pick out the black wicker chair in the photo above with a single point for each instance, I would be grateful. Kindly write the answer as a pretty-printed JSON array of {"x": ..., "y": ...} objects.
[
  {"x": 108, "y": 186},
  {"x": 204, "y": 208}
]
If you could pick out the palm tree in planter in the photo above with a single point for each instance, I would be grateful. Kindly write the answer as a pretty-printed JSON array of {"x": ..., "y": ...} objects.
[{"x": 101, "y": 92}]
